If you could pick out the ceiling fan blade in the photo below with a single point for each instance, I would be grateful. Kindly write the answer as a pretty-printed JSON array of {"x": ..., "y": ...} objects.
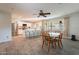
[
  {"x": 47, "y": 13},
  {"x": 45, "y": 16}
]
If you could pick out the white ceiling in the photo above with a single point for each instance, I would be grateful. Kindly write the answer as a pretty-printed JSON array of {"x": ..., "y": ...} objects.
[{"x": 26, "y": 10}]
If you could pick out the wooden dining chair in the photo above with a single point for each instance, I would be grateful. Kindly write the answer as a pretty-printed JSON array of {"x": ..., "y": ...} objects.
[
  {"x": 43, "y": 38},
  {"x": 58, "y": 40},
  {"x": 46, "y": 37}
]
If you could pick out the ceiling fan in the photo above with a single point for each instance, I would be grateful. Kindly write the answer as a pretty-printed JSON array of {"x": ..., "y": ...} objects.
[{"x": 41, "y": 13}]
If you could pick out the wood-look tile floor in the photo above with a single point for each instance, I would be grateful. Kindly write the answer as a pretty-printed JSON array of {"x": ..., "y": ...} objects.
[{"x": 32, "y": 46}]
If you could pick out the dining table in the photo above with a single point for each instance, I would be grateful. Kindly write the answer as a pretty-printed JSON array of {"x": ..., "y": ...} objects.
[
  {"x": 56, "y": 37},
  {"x": 52, "y": 37},
  {"x": 54, "y": 34}
]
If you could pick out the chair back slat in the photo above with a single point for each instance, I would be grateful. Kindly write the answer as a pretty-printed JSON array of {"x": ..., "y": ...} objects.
[
  {"x": 45, "y": 35},
  {"x": 60, "y": 36}
]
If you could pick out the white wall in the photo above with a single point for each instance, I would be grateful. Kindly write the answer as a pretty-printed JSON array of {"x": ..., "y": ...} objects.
[
  {"x": 74, "y": 24},
  {"x": 5, "y": 26}
]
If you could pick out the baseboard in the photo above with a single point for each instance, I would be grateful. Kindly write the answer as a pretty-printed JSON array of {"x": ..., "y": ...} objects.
[{"x": 66, "y": 37}]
